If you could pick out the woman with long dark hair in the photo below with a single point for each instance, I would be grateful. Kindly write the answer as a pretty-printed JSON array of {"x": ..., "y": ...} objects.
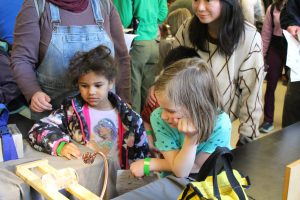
[{"x": 233, "y": 49}]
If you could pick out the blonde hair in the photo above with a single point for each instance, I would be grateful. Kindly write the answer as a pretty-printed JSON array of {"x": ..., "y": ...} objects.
[
  {"x": 190, "y": 84},
  {"x": 176, "y": 18}
]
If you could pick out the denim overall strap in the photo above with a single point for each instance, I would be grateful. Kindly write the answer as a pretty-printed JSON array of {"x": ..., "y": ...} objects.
[
  {"x": 65, "y": 42},
  {"x": 55, "y": 17},
  {"x": 96, "y": 6},
  {"x": 8, "y": 145},
  {"x": 97, "y": 13}
]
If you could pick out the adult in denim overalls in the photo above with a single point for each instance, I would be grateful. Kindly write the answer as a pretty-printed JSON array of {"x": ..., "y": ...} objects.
[{"x": 65, "y": 42}]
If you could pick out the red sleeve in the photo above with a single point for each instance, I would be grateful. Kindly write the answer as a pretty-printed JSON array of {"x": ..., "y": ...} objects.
[{"x": 147, "y": 110}]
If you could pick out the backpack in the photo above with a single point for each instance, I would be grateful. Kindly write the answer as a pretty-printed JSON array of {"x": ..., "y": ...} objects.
[
  {"x": 40, "y": 6},
  {"x": 8, "y": 150},
  {"x": 228, "y": 184}
]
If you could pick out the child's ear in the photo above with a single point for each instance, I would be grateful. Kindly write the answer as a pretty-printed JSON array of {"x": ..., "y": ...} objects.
[{"x": 112, "y": 83}]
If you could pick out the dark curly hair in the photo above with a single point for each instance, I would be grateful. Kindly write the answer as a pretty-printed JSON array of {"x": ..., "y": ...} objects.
[
  {"x": 230, "y": 32},
  {"x": 98, "y": 60}
]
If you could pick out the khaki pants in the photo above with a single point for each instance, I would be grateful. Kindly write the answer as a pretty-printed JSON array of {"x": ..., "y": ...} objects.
[{"x": 144, "y": 68}]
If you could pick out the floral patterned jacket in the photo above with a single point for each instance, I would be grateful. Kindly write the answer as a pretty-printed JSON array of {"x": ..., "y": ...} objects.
[{"x": 72, "y": 121}]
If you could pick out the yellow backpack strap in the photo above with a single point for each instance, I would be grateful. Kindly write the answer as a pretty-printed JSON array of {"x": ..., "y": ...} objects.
[{"x": 243, "y": 180}]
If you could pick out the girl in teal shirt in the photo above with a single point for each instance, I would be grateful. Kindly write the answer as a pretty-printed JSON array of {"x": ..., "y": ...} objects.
[{"x": 190, "y": 122}]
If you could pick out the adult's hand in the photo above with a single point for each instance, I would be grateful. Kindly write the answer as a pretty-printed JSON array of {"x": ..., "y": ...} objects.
[
  {"x": 293, "y": 30},
  {"x": 70, "y": 151},
  {"x": 40, "y": 102}
]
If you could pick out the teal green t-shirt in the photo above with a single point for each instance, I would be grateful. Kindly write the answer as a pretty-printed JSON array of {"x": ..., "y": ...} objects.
[
  {"x": 149, "y": 13},
  {"x": 168, "y": 138},
  {"x": 124, "y": 8}
]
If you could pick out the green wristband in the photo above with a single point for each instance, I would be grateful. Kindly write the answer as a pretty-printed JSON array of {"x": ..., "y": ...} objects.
[
  {"x": 149, "y": 132},
  {"x": 59, "y": 148},
  {"x": 147, "y": 166}
]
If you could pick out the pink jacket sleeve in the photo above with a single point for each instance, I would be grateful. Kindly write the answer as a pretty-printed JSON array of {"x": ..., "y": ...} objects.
[{"x": 267, "y": 31}]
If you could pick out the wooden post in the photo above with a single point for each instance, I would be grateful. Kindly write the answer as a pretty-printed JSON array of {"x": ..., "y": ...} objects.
[{"x": 291, "y": 188}]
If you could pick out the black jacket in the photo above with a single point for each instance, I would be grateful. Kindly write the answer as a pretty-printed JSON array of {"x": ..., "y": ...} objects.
[
  {"x": 8, "y": 87},
  {"x": 71, "y": 121},
  {"x": 290, "y": 14}
]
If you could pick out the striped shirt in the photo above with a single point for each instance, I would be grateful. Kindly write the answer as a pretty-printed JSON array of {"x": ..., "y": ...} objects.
[{"x": 240, "y": 76}]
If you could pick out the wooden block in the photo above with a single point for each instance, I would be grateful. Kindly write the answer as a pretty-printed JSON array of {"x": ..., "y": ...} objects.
[
  {"x": 81, "y": 192},
  {"x": 52, "y": 193},
  {"x": 291, "y": 189}
]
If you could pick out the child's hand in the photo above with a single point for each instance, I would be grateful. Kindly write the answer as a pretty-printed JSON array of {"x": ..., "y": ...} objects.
[
  {"x": 187, "y": 127},
  {"x": 70, "y": 150},
  {"x": 137, "y": 168}
]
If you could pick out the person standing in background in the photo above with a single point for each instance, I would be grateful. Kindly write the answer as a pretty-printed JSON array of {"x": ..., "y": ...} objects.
[
  {"x": 45, "y": 41},
  {"x": 274, "y": 49},
  {"x": 290, "y": 20},
  {"x": 175, "y": 19},
  {"x": 10, "y": 94},
  {"x": 254, "y": 12},
  {"x": 233, "y": 49},
  {"x": 181, "y": 4},
  {"x": 145, "y": 19},
  {"x": 124, "y": 8}
]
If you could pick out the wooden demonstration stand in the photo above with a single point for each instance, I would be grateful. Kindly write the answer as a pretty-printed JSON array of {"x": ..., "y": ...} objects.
[{"x": 53, "y": 180}]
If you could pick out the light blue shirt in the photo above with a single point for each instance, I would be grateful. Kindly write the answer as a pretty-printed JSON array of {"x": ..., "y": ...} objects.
[{"x": 168, "y": 138}]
